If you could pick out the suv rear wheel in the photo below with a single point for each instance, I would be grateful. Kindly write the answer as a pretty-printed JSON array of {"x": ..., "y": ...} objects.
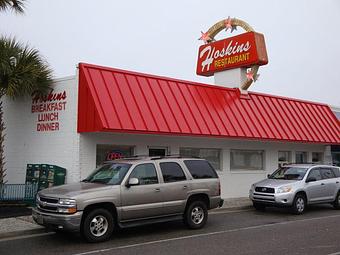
[
  {"x": 98, "y": 225},
  {"x": 196, "y": 215},
  {"x": 336, "y": 202},
  {"x": 299, "y": 204}
]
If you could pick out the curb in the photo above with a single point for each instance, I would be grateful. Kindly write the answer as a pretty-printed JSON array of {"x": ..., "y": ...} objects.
[
  {"x": 23, "y": 233},
  {"x": 234, "y": 208}
]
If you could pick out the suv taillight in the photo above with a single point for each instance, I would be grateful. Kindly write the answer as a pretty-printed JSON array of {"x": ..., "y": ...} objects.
[{"x": 219, "y": 189}]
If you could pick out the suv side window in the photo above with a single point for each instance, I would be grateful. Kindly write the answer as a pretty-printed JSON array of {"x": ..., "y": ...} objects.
[
  {"x": 200, "y": 169},
  {"x": 145, "y": 173},
  {"x": 172, "y": 172},
  {"x": 315, "y": 173},
  {"x": 336, "y": 171},
  {"x": 327, "y": 173}
]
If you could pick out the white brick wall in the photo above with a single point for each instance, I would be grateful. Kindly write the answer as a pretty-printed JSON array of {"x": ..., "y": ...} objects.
[{"x": 25, "y": 145}]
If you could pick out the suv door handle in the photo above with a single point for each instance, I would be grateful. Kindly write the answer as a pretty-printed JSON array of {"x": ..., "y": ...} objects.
[
  {"x": 322, "y": 184},
  {"x": 337, "y": 182},
  {"x": 185, "y": 187},
  {"x": 157, "y": 189}
]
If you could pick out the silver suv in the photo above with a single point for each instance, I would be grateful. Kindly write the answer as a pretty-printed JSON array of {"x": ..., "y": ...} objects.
[
  {"x": 297, "y": 186},
  {"x": 131, "y": 192}
]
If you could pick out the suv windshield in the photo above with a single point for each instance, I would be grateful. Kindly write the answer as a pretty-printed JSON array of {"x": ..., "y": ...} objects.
[
  {"x": 109, "y": 174},
  {"x": 289, "y": 173}
]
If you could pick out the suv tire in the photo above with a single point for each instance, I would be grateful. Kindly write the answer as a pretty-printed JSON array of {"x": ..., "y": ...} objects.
[
  {"x": 196, "y": 214},
  {"x": 299, "y": 204},
  {"x": 97, "y": 226},
  {"x": 259, "y": 207},
  {"x": 336, "y": 203}
]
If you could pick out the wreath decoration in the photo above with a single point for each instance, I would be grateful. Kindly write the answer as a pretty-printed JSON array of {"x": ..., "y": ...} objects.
[{"x": 232, "y": 24}]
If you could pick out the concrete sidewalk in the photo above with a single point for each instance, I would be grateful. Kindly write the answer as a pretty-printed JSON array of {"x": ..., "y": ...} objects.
[{"x": 24, "y": 225}]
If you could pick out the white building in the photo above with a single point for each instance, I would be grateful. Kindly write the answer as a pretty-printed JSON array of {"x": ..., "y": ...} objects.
[{"x": 102, "y": 113}]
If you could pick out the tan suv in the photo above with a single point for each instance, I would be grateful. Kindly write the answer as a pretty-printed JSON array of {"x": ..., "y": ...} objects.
[{"x": 131, "y": 192}]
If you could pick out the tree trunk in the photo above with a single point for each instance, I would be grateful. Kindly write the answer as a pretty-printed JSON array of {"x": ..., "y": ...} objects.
[{"x": 2, "y": 143}]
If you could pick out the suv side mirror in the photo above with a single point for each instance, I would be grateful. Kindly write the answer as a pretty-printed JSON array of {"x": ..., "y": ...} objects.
[
  {"x": 311, "y": 179},
  {"x": 132, "y": 182},
  {"x": 268, "y": 175}
]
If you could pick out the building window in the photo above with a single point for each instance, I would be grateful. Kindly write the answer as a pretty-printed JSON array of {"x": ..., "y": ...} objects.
[
  {"x": 284, "y": 157},
  {"x": 300, "y": 157},
  {"x": 158, "y": 151},
  {"x": 247, "y": 160},
  {"x": 317, "y": 157},
  {"x": 106, "y": 152},
  {"x": 212, "y": 155}
]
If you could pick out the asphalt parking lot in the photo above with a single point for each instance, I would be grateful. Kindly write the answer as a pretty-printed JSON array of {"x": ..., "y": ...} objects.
[{"x": 275, "y": 231}]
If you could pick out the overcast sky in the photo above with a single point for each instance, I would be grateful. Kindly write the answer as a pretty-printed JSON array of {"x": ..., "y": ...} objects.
[{"x": 160, "y": 37}]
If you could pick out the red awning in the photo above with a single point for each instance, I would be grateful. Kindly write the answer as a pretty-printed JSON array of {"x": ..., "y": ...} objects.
[{"x": 113, "y": 100}]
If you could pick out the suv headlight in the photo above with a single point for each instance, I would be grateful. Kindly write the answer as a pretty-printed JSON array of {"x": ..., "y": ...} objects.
[
  {"x": 37, "y": 199},
  {"x": 66, "y": 205},
  {"x": 284, "y": 189}
]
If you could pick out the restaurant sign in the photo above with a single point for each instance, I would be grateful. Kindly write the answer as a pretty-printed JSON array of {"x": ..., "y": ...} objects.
[
  {"x": 242, "y": 50},
  {"x": 246, "y": 50}
]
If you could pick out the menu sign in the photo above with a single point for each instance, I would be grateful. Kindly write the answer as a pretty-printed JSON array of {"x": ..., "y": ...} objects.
[{"x": 48, "y": 108}]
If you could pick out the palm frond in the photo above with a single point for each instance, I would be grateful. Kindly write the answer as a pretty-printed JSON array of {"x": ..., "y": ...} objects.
[
  {"x": 22, "y": 69},
  {"x": 14, "y": 5}
]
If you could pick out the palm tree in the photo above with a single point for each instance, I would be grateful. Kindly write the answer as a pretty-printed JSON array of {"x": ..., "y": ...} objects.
[
  {"x": 22, "y": 72},
  {"x": 15, "y": 5}
]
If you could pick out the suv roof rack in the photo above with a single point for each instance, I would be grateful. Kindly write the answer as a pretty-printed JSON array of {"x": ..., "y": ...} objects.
[
  {"x": 136, "y": 157},
  {"x": 309, "y": 163},
  {"x": 172, "y": 156}
]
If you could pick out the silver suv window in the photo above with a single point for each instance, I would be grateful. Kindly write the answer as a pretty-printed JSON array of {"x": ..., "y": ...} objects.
[
  {"x": 145, "y": 173},
  {"x": 289, "y": 173},
  {"x": 109, "y": 174},
  {"x": 172, "y": 172},
  {"x": 315, "y": 173},
  {"x": 200, "y": 169},
  {"x": 327, "y": 173}
]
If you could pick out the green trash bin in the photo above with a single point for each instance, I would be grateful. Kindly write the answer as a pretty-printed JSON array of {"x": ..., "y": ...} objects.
[{"x": 45, "y": 175}]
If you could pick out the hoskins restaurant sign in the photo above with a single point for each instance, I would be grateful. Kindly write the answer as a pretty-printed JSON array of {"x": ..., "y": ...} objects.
[
  {"x": 242, "y": 50},
  {"x": 48, "y": 108}
]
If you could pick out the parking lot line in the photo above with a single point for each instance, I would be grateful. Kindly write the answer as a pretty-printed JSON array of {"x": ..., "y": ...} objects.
[{"x": 204, "y": 234}]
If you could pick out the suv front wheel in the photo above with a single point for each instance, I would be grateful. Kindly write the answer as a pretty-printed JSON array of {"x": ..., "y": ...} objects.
[
  {"x": 196, "y": 215},
  {"x": 299, "y": 204},
  {"x": 98, "y": 225}
]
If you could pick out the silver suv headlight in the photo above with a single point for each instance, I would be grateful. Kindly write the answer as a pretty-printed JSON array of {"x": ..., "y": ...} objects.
[
  {"x": 66, "y": 205},
  {"x": 284, "y": 189}
]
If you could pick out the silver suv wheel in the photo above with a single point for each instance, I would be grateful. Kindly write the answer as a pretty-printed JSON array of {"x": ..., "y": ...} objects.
[
  {"x": 99, "y": 226},
  {"x": 300, "y": 204},
  {"x": 197, "y": 215}
]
